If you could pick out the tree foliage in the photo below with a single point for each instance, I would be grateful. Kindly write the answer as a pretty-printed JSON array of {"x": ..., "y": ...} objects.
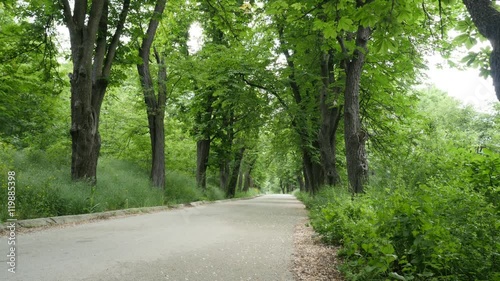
[{"x": 277, "y": 95}]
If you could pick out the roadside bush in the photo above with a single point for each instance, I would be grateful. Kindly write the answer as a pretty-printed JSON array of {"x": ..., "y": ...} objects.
[
  {"x": 214, "y": 193},
  {"x": 181, "y": 188},
  {"x": 250, "y": 193},
  {"x": 432, "y": 232}
]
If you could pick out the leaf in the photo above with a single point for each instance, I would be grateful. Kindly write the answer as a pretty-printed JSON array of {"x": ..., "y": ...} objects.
[
  {"x": 405, "y": 15},
  {"x": 344, "y": 24},
  {"x": 297, "y": 6},
  {"x": 471, "y": 42},
  {"x": 461, "y": 39},
  {"x": 397, "y": 276},
  {"x": 330, "y": 32}
]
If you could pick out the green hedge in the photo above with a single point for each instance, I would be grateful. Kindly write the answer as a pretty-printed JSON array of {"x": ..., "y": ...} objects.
[{"x": 433, "y": 232}]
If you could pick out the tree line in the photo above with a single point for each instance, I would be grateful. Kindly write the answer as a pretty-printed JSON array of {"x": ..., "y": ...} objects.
[{"x": 320, "y": 78}]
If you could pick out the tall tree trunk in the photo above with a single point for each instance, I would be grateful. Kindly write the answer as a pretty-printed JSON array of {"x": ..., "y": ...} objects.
[
  {"x": 239, "y": 186},
  {"x": 203, "y": 145},
  {"x": 300, "y": 181},
  {"x": 202, "y": 153},
  {"x": 487, "y": 20},
  {"x": 248, "y": 175},
  {"x": 330, "y": 118},
  {"x": 84, "y": 128},
  {"x": 231, "y": 187},
  {"x": 92, "y": 55},
  {"x": 312, "y": 172},
  {"x": 224, "y": 175},
  {"x": 155, "y": 103},
  {"x": 355, "y": 136},
  {"x": 247, "y": 180}
]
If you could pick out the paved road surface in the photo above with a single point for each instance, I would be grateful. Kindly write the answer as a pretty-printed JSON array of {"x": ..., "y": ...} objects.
[{"x": 238, "y": 240}]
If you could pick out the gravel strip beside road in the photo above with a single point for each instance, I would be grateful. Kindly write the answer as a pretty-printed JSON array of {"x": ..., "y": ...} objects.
[{"x": 313, "y": 260}]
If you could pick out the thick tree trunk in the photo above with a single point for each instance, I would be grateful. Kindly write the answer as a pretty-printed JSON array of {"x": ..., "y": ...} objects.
[
  {"x": 84, "y": 127},
  {"x": 157, "y": 132},
  {"x": 231, "y": 187},
  {"x": 203, "y": 145},
  {"x": 240, "y": 181},
  {"x": 247, "y": 181},
  {"x": 202, "y": 153},
  {"x": 330, "y": 118},
  {"x": 224, "y": 175},
  {"x": 92, "y": 56},
  {"x": 312, "y": 172},
  {"x": 155, "y": 103},
  {"x": 355, "y": 136},
  {"x": 487, "y": 20},
  {"x": 300, "y": 181},
  {"x": 248, "y": 175}
]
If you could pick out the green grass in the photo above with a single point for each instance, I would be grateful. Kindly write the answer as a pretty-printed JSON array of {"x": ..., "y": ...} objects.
[
  {"x": 432, "y": 232},
  {"x": 44, "y": 187},
  {"x": 250, "y": 193}
]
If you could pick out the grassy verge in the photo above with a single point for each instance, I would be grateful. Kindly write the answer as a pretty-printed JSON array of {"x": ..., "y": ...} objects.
[
  {"x": 433, "y": 232},
  {"x": 250, "y": 193},
  {"x": 44, "y": 187}
]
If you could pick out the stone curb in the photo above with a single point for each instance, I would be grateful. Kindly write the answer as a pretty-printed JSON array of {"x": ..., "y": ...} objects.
[{"x": 41, "y": 222}]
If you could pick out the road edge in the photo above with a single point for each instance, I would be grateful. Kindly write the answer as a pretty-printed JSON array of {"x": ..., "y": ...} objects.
[{"x": 41, "y": 223}]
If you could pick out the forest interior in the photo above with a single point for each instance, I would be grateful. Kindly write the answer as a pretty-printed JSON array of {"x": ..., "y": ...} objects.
[{"x": 115, "y": 104}]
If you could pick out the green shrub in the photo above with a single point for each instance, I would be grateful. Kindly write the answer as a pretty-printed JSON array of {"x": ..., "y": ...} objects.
[
  {"x": 250, "y": 193},
  {"x": 432, "y": 232},
  {"x": 181, "y": 188},
  {"x": 214, "y": 193}
]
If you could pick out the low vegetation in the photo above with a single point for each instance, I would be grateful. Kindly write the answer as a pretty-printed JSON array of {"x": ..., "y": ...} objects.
[
  {"x": 432, "y": 232},
  {"x": 44, "y": 187},
  {"x": 431, "y": 210}
]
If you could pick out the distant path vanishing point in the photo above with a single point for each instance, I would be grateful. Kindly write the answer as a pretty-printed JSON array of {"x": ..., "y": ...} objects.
[{"x": 237, "y": 240}]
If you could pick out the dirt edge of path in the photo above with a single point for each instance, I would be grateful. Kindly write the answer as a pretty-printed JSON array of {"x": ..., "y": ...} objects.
[{"x": 312, "y": 259}]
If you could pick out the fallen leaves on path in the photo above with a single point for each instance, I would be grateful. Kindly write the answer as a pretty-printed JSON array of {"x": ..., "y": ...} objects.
[{"x": 313, "y": 260}]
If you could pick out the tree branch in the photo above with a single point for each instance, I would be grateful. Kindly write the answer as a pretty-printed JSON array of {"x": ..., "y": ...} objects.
[
  {"x": 80, "y": 12},
  {"x": 274, "y": 93},
  {"x": 94, "y": 19},
  {"x": 293, "y": 83},
  {"x": 116, "y": 38},
  {"x": 68, "y": 17},
  {"x": 100, "y": 50},
  {"x": 485, "y": 16}
]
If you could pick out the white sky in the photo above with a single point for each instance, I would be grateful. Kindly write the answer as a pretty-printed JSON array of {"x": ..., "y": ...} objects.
[{"x": 465, "y": 85}]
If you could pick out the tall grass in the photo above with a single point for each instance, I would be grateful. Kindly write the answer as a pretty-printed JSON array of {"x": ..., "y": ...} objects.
[{"x": 44, "y": 187}]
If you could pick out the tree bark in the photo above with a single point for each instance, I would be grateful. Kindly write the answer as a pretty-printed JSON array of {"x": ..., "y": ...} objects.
[
  {"x": 231, "y": 187},
  {"x": 202, "y": 153},
  {"x": 203, "y": 145},
  {"x": 312, "y": 172},
  {"x": 240, "y": 181},
  {"x": 155, "y": 103},
  {"x": 487, "y": 20},
  {"x": 92, "y": 58},
  {"x": 330, "y": 118},
  {"x": 354, "y": 135},
  {"x": 321, "y": 170},
  {"x": 300, "y": 181},
  {"x": 224, "y": 175},
  {"x": 248, "y": 175}
]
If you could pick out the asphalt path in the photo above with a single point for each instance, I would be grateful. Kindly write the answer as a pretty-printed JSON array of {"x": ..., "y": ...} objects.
[{"x": 236, "y": 240}]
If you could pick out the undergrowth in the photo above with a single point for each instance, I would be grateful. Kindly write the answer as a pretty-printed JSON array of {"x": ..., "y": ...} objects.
[
  {"x": 431, "y": 232},
  {"x": 44, "y": 187}
]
